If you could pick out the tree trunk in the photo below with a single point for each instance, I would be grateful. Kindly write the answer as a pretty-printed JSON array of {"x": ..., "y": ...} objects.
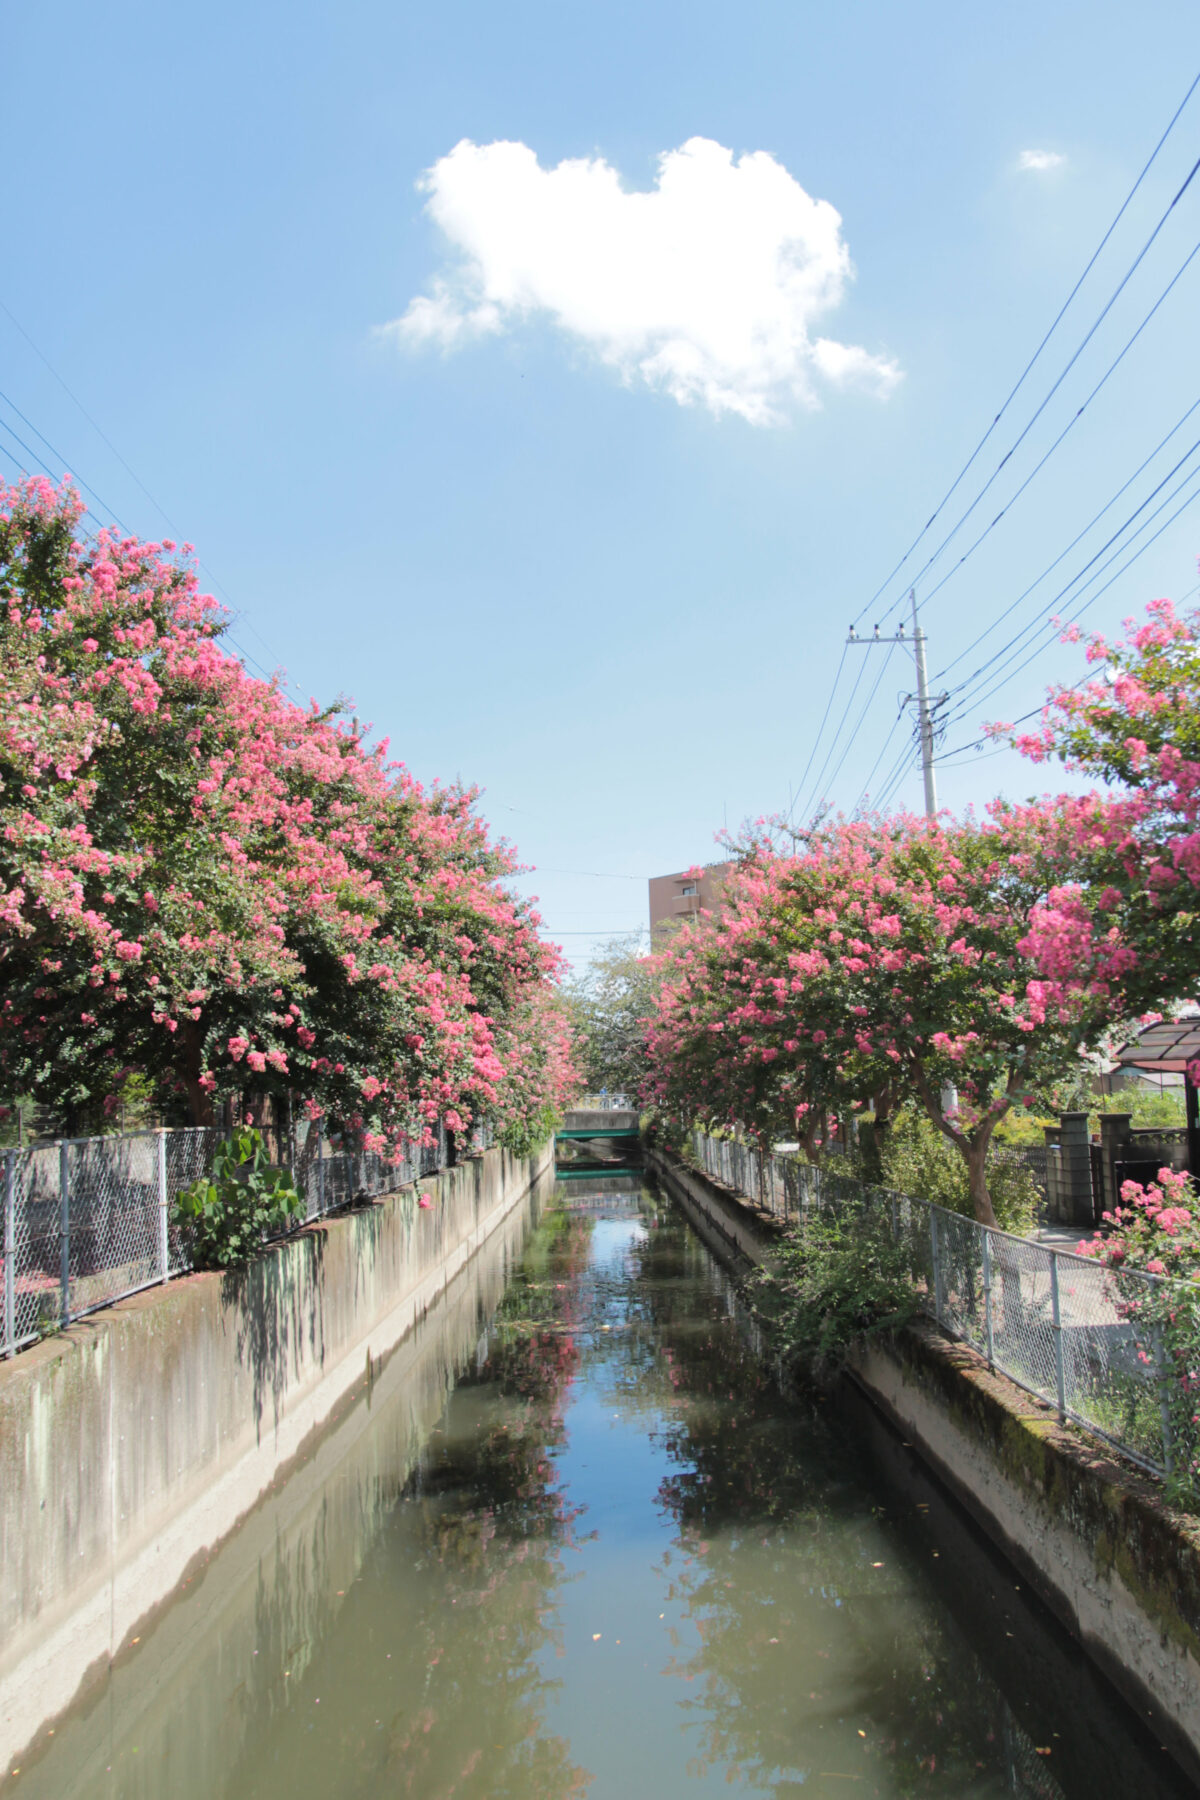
[
  {"x": 810, "y": 1137},
  {"x": 200, "y": 1100},
  {"x": 975, "y": 1151}
]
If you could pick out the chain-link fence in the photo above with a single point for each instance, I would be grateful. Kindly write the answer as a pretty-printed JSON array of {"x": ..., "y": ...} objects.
[
  {"x": 1115, "y": 1350},
  {"x": 90, "y": 1220}
]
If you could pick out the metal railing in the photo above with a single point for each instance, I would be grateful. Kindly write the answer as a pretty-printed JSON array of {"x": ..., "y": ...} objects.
[
  {"x": 91, "y": 1220},
  {"x": 1095, "y": 1343}
]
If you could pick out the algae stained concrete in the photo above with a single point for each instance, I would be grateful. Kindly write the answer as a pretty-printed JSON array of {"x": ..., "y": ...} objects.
[
  {"x": 1093, "y": 1536},
  {"x": 214, "y": 1660},
  {"x": 134, "y": 1442}
]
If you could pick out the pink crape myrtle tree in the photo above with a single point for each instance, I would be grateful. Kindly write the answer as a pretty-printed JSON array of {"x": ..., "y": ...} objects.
[
  {"x": 885, "y": 959},
  {"x": 1127, "y": 918},
  {"x": 232, "y": 894},
  {"x": 739, "y": 1032}
]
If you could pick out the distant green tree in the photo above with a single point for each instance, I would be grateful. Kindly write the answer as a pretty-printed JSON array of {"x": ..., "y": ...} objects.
[{"x": 610, "y": 1003}]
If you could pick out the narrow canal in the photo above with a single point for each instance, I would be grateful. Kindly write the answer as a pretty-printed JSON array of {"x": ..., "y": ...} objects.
[{"x": 571, "y": 1539}]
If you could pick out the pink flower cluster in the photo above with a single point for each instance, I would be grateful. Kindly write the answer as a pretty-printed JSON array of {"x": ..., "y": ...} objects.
[
  {"x": 886, "y": 960},
  {"x": 236, "y": 894}
]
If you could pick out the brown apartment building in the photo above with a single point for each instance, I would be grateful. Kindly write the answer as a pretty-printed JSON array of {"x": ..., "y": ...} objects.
[{"x": 676, "y": 898}]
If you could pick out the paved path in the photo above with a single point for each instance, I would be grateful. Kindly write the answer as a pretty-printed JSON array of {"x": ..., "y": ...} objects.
[{"x": 1063, "y": 1237}]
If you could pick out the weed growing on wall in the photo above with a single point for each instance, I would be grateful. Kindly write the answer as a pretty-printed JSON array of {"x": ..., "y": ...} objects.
[
  {"x": 247, "y": 1199},
  {"x": 525, "y": 1136},
  {"x": 840, "y": 1277}
]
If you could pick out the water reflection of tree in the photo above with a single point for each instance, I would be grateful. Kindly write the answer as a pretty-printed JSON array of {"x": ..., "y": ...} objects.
[
  {"x": 804, "y": 1645},
  {"x": 433, "y": 1683},
  {"x": 493, "y": 1525}
]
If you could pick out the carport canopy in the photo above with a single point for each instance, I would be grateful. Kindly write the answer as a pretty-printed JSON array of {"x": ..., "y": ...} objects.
[
  {"x": 1166, "y": 1048},
  {"x": 1169, "y": 1048}
]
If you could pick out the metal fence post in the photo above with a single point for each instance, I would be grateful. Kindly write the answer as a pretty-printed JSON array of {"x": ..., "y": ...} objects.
[
  {"x": 987, "y": 1299},
  {"x": 1164, "y": 1404},
  {"x": 164, "y": 1238},
  {"x": 321, "y": 1169},
  {"x": 1060, "y": 1386},
  {"x": 10, "y": 1252},
  {"x": 937, "y": 1265},
  {"x": 64, "y": 1229}
]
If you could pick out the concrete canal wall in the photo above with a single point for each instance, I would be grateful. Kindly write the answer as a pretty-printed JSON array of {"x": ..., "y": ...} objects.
[
  {"x": 1089, "y": 1533},
  {"x": 135, "y": 1441}
]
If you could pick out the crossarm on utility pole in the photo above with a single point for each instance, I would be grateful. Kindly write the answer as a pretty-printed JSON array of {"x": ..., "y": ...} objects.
[{"x": 917, "y": 643}]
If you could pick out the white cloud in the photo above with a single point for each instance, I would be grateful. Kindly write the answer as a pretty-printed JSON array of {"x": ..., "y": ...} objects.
[
  {"x": 705, "y": 287},
  {"x": 1039, "y": 161}
]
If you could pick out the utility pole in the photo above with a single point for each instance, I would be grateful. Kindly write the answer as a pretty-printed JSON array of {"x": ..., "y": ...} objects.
[
  {"x": 924, "y": 716},
  {"x": 924, "y": 707}
]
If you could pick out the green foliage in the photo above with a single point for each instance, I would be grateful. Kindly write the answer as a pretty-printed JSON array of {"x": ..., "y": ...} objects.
[
  {"x": 228, "y": 1215},
  {"x": 1146, "y": 1106},
  {"x": 840, "y": 1277},
  {"x": 525, "y": 1136},
  {"x": 669, "y": 1132},
  {"x": 917, "y": 1159},
  {"x": 1023, "y": 1126},
  {"x": 609, "y": 1004},
  {"x": 1149, "y": 1106}
]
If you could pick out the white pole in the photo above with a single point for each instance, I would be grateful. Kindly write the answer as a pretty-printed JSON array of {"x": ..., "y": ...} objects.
[{"x": 924, "y": 716}]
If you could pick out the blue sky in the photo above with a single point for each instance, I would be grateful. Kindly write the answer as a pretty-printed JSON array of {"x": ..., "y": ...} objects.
[{"x": 531, "y": 564}]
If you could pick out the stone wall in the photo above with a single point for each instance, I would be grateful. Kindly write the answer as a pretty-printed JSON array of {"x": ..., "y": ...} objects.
[{"x": 134, "y": 1442}]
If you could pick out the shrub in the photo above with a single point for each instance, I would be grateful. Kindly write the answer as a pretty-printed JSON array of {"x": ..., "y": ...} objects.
[
  {"x": 228, "y": 1214},
  {"x": 840, "y": 1277},
  {"x": 1155, "y": 1231},
  {"x": 916, "y": 1159},
  {"x": 525, "y": 1136}
]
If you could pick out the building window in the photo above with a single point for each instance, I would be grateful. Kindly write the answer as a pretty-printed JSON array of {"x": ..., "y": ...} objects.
[{"x": 689, "y": 887}]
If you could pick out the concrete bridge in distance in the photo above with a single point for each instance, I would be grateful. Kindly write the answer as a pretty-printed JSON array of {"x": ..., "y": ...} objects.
[{"x": 598, "y": 1124}]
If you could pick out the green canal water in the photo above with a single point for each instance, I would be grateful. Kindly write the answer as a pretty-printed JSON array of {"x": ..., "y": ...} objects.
[{"x": 571, "y": 1539}]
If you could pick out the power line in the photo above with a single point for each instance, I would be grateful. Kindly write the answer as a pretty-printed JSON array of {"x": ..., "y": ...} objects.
[
  {"x": 1078, "y": 614},
  {"x": 1078, "y": 538},
  {"x": 1096, "y": 323},
  {"x": 865, "y": 790},
  {"x": 599, "y": 874},
  {"x": 960, "y": 749},
  {"x": 40, "y": 463},
  {"x": 1037, "y": 353},
  {"x": 1015, "y": 644},
  {"x": 1006, "y": 458},
  {"x": 820, "y": 730},
  {"x": 806, "y": 810},
  {"x": 1063, "y": 434},
  {"x": 900, "y": 768},
  {"x": 862, "y": 715},
  {"x": 78, "y": 403},
  {"x": 134, "y": 477},
  {"x": 1033, "y": 625},
  {"x": 62, "y": 460}
]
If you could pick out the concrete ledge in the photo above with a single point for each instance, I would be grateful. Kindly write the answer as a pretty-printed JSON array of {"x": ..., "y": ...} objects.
[
  {"x": 747, "y": 1234},
  {"x": 137, "y": 1440},
  {"x": 1091, "y": 1534}
]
